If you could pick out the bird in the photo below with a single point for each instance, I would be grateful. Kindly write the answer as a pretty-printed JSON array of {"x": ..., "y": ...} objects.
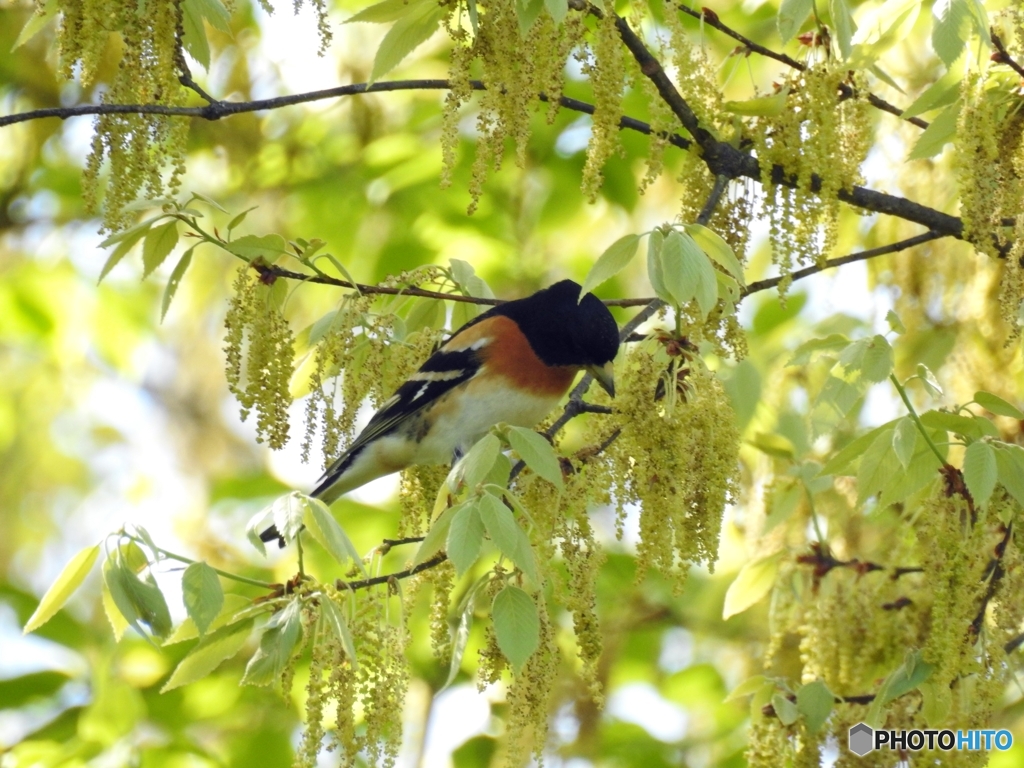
[{"x": 511, "y": 364}]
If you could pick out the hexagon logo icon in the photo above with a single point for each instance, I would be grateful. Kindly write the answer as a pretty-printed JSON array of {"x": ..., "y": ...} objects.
[{"x": 862, "y": 739}]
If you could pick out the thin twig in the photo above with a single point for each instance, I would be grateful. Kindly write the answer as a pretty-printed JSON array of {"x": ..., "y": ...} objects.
[
  {"x": 433, "y": 562},
  {"x": 710, "y": 18},
  {"x": 901, "y": 245}
]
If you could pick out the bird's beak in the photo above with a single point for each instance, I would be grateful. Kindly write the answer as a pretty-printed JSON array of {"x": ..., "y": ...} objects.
[{"x": 605, "y": 376}]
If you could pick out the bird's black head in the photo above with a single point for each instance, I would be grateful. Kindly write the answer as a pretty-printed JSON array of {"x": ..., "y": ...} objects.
[{"x": 562, "y": 330}]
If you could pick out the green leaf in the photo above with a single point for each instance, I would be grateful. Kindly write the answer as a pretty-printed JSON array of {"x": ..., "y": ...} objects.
[
  {"x": 527, "y": 12},
  {"x": 815, "y": 702},
  {"x": 760, "y": 106},
  {"x": 922, "y": 472},
  {"x": 876, "y": 467},
  {"x": 904, "y": 440},
  {"x": 774, "y": 444},
  {"x": 792, "y": 15},
  {"x": 939, "y": 132},
  {"x": 329, "y": 534},
  {"x": 655, "y": 267},
  {"x": 516, "y": 625},
  {"x": 895, "y": 324},
  {"x": 70, "y": 579},
  {"x": 673, "y": 270},
  {"x": 874, "y": 358},
  {"x": 716, "y": 249},
  {"x": 202, "y": 594},
  {"x": 831, "y": 343},
  {"x": 1010, "y": 466},
  {"x": 843, "y": 26},
  {"x": 558, "y": 9},
  {"x": 255, "y": 526},
  {"x": 928, "y": 380},
  {"x": 239, "y": 218},
  {"x": 288, "y": 513},
  {"x": 477, "y": 463},
  {"x": 174, "y": 281},
  {"x": 159, "y": 243},
  {"x": 748, "y": 687},
  {"x": 138, "y": 600},
  {"x": 611, "y": 262},
  {"x": 195, "y": 33},
  {"x": 941, "y": 93},
  {"x": 333, "y": 618},
  {"x": 951, "y": 27},
  {"x": 968, "y": 426},
  {"x": 500, "y": 525},
  {"x": 697, "y": 270},
  {"x": 998, "y": 406},
  {"x": 902, "y": 680},
  {"x": 388, "y": 11},
  {"x": 276, "y": 645},
  {"x": 437, "y": 536},
  {"x": 37, "y": 21},
  {"x": 752, "y": 583},
  {"x": 524, "y": 557},
  {"x": 537, "y": 452},
  {"x": 785, "y": 709},
  {"x": 460, "y": 638},
  {"x": 465, "y": 537},
  {"x": 209, "y": 653},
  {"x": 412, "y": 29},
  {"x": 121, "y": 251},
  {"x": 249, "y": 247},
  {"x": 232, "y": 606},
  {"x": 980, "y": 472}
]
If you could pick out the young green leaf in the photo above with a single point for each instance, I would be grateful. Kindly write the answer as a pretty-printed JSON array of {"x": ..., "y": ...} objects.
[
  {"x": 950, "y": 28},
  {"x": 716, "y": 249},
  {"x": 194, "y": 37},
  {"x": 477, "y": 462},
  {"x": 760, "y": 106},
  {"x": 748, "y": 687},
  {"x": 174, "y": 281},
  {"x": 655, "y": 267},
  {"x": 894, "y": 322},
  {"x": 233, "y": 604},
  {"x": 928, "y": 380},
  {"x": 941, "y": 93},
  {"x": 70, "y": 579},
  {"x": 333, "y": 618},
  {"x": 465, "y": 537},
  {"x": 980, "y": 471},
  {"x": 159, "y": 243},
  {"x": 815, "y": 702},
  {"x": 276, "y": 645},
  {"x": 785, "y": 709},
  {"x": 904, "y": 440},
  {"x": 209, "y": 653},
  {"x": 878, "y": 359},
  {"x": 388, "y": 11},
  {"x": 121, "y": 250},
  {"x": 843, "y": 26},
  {"x": 36, "y": 22},
  {"x": 500, "y": 525},
  {"x": 118, "y": 623},
  {"x": 831, "y": 343},
  {"x": 693, "y": 274},
  {"x": 202, "y": 594},
  {"x": 329, "y": 534},
  {"x": 876, "y": 467},
  {"x": 288, "y": 512},
  {"x": 998, "y": 406},
  {"x": 460, "y": 637},
  {"x": 792, "y": 15},
  {"x": 524, "y": 557},
  {"x": 611, "y": 262},
  {"x": 516, "y": 625},
  {"x": 940, "y": 131},
  {"x": 255, "y": 525},
  {"x": 1010, "y": 466},
  {"x": 537, "y": 452},
  {"x": 753, "y": 582},
  {"x": 437, "y": 536},
  {"x": 558, "y": 9},
  {"x": 412, "y": 29}
]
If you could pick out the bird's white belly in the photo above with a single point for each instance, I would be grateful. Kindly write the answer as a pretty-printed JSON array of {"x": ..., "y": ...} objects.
[{"x": 472, "y": 414}]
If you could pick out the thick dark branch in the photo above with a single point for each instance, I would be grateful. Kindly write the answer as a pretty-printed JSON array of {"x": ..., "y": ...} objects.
[
  {"x": 1002, "y": 56},
  {"x": 710, "y": 18}
]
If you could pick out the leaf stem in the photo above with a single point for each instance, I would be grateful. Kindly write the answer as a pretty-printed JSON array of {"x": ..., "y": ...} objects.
[
  {"x": 190, "y": 561},
  {"x": 916, "y": 419}
]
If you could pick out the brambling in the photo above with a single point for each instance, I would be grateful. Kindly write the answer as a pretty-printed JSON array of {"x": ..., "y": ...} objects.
[{"x": 511, "y": 364}]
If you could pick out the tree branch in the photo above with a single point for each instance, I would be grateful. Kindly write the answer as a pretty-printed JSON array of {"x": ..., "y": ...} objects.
[
  {"x": 711, "y": 19},
  {"x": 373, "y": 581},
  {"x": 1002, "y": 56},
  {"x": 901, "y": 245}
]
